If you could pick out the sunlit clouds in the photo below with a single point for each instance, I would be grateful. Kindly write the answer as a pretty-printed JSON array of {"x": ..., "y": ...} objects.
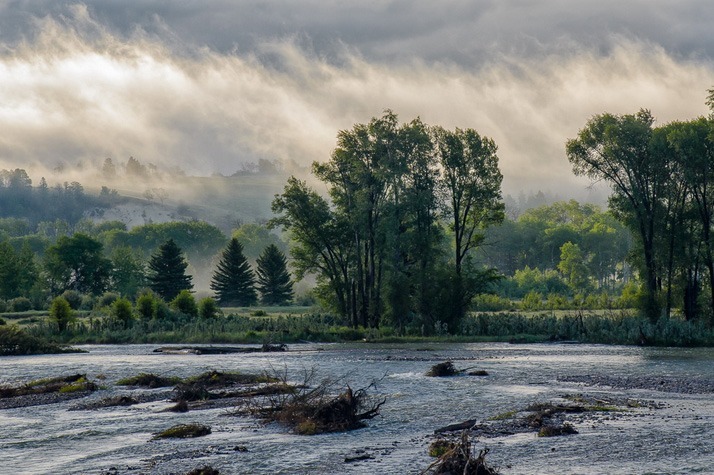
[{"x": 75, "y": 90}]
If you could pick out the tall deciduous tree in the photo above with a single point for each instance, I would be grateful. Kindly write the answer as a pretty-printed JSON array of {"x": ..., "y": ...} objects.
[
  {"x": 167, "y": 271},
  {"x": 77, "y": 263},
  {"x": 693, "y": 144},
  {"x": 379, "y": 243},
  {"x": 128, "y": 273},
  {"x": 617, "y": 148},
  {"x": 273, "y": 278},
  {"x": 8, "y": 271},
  {"x": 234, "y": 281},
  {"x": 472, "y": 181},
  {"x": 322, "y": 242}
]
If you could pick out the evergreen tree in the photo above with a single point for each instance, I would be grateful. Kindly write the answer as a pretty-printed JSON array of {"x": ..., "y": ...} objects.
[
  {"x": 274, "y": 282},
  {"x": 167, "y": 269},
  {"x": 233, "y": 281}
]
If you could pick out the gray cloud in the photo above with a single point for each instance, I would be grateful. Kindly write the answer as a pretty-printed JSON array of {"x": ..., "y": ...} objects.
[{"x": 178, "y": 83}]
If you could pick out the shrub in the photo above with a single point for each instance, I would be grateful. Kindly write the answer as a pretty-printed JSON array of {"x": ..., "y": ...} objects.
[
  {"x": 61, "y": 313},
  {"x": 631, "y": 296},
  {"x": 73, "y": 298},
  {"x": 532, "y": 301},
  {"x": 88, "y": 302},
  {"x": 3, "y": 306},
  {"x": 20, "y": 304},
  {"x": 122, "y": 311},
  {"x": 108, "y": 298},
  {"x": 208, "y": 308},
  {"x": 557, "y": 302},
  {"x": 146, "y": 305},
  {"x": 185, "y": 303},
  {"x": 161, "y": 310},
  {"x": 491, "y": 303}
]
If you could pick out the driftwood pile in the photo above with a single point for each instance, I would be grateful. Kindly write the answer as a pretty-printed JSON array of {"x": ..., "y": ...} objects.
[
  {"x": 316, "y": 411},
  {"x": 458, "y": 458}
]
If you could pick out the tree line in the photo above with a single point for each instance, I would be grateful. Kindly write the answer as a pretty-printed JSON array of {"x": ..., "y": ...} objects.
[
  {"x": 662, "y": 177},
  {"x": 76, "y": 265},
  {"x": 564, "y": 248}
]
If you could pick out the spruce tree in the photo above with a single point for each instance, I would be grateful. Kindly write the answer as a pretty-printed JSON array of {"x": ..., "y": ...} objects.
[
  {"x": 273, "y": 278},
  {"x": 167, "y": 271},
  {"x": 233, "y": 281}
]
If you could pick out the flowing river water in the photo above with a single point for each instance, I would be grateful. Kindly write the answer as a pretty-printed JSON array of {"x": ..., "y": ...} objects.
[{"x": 676, "y": 437}]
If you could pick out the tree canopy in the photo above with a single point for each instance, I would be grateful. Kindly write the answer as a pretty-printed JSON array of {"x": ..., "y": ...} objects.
[
  {"x": 379, "y": 246},
  {"x": 77, "y": 263}
]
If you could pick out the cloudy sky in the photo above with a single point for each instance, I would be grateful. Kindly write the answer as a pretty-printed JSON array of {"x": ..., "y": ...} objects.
[{"x": 211, "y": 85}]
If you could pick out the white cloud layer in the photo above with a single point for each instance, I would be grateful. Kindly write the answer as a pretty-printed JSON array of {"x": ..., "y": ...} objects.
[{"x": 74, "y": 89}]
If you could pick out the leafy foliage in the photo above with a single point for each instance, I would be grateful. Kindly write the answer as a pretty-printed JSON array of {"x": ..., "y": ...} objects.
[
  {"x": 208, "y": 308},
  {"x": 378, "y": 248},
  {"x": 77, "y": 263},
  {"x": 185, "y": 303},
  {"x": 61, "y": 313}
]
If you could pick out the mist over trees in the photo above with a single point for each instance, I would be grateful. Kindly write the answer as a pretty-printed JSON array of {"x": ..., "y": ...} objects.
[
  {"x": 66, "y": 202},
  {"x": 412, "y": 233}
]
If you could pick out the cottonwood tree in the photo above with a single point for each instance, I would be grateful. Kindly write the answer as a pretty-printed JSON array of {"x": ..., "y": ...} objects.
[
  {"x": 273, "y": 278},
  {"x": 472, "y": 183},
  {"x": 233, "y": 280},
  {"x": 167, "y": 271},
  {"x": 322, "y": 242},
  {"x": 693, "y": 146},
  {"x": 378, "y": 245},
  {"x": 616, "y": 148},
  {"x": 77, "y": 263}
]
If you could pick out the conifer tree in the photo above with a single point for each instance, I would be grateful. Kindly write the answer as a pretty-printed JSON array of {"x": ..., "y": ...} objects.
[
  {"x": 233, "y": 281},
  {"x": 167, "y": 271},
  {"x": 273, "y": 278}
]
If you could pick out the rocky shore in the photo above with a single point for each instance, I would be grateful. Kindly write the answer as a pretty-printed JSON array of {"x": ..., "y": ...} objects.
[{"x": 666, "y": 384}]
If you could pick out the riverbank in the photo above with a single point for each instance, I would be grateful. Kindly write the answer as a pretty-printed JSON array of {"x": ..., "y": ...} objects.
[{"x": 603, "y": 327}]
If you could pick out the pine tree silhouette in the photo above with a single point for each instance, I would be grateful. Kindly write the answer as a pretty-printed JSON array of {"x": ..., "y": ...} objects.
[
  {"x": 233, "y": 281},
  {"x": 274, "y": 282},
  {"x": 167, "y": 271}
]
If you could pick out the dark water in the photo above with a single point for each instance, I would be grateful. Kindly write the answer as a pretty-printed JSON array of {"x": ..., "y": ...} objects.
[{"x": 678, "y": 438}]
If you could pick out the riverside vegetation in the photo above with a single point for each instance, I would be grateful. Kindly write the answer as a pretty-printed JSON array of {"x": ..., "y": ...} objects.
[{"x": 397, "y": 250}]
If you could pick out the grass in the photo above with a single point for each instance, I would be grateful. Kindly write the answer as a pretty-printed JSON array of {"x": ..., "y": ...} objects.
[
  {"x": 607, "y": 327},
  {"x": 61, "y": 384},
  {"x": 503, "y": 416},
  {"x": 183, "y": 431}
]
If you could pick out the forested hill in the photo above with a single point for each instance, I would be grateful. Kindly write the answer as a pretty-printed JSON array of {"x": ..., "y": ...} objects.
[{"x": 67, "y": 202}]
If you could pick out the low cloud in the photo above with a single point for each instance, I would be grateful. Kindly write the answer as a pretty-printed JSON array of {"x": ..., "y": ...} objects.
[{"x": 77, "y": 90}]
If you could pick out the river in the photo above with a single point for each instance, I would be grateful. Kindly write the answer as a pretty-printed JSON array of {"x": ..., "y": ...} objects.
[{"x": 675, "y": 438}]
